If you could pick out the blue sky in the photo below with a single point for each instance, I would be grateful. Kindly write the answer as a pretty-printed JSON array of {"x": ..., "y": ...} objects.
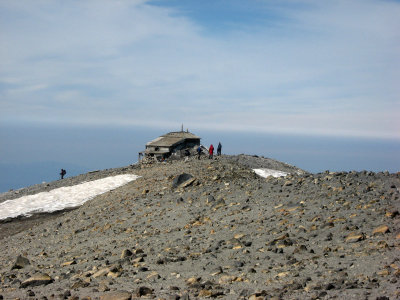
[{"x": 326, "y": 68}]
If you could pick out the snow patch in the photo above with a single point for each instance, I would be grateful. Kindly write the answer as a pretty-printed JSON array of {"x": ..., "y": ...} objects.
[
  {"x": 61, "y": 198},
  {"x": 269, "y": 172}
]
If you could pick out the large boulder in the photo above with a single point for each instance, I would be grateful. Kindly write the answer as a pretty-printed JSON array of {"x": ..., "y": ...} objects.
[
  {"x": 38, "y": 279},
  {"x": 181, "y": 179}
]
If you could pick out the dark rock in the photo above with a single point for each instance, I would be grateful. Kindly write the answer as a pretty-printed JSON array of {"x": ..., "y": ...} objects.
[
  {"x": 300, "y": 248},
  {"x": 330, "y": 286},
  {"x": 178, "y": 180},
  {"x": 79, "y": 284},
  {"x": 20, "y": 263},
  {"x": 139, "y": 251},
  {"x": 143, "y": 291},
  {"x": 292, "y": 261},
  {"x": 329, "y": 237},
  {"x": 238, "y": 264},
  {"x": 30, "y": 293},
  {"x": 126, "y": 253},
  {"x": 247, "y": 243},
  {"x": 210, "y": 199},
  {"x": 161, "y": 261},
  {"x": 322, "y": 294},
  {"x": 66, "y": 294}
]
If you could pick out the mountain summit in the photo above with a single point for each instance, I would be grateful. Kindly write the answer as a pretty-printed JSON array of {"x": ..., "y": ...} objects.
[{"x": 190, "y": 229}]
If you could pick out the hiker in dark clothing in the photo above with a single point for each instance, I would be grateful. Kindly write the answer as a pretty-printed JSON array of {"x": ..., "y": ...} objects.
[
  {"x": 199, "y": 152},
  {"x": 63, "y": 172},
  {"x": 219, "y": 149}
]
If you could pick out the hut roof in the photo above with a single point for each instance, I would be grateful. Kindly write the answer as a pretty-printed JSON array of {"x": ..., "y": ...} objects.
[{"x": 171, "y": 139}]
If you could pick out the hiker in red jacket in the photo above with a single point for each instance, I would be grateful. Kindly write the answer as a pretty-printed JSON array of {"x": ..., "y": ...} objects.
[{"x": 211, "y": 151}]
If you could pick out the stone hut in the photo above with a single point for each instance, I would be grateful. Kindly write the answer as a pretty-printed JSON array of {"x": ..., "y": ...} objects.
[{"x": 171, "y": 145}]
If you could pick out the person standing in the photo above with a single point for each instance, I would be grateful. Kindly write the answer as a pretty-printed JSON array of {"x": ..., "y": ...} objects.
[
  {"x": 219, "y": 149},
  {"x": 211, "y": 151},
  {"x": 62, "y": 173},
  {"x": 198, "y": 152}
]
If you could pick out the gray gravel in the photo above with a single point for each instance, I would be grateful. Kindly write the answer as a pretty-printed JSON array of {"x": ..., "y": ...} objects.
[{"x": 223, "y": 232}]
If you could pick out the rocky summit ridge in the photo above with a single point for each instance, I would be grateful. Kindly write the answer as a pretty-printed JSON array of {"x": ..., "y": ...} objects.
[{"x": 194, "y": 229}]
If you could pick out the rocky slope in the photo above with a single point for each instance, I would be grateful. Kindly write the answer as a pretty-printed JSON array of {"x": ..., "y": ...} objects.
[{"x": 219, "y": 232}]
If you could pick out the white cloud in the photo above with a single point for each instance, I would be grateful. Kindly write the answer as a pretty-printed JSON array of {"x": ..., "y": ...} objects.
[{"x": 327, "y": 68}]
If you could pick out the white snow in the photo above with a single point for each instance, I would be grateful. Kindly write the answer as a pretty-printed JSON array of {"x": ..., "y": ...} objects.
[
  {"x": 269, "y": 172},
  {"x": 61, "y": 198}
]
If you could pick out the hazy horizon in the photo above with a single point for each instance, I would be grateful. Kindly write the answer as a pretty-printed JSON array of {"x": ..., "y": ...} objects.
[{"x": 33, "y": 154}]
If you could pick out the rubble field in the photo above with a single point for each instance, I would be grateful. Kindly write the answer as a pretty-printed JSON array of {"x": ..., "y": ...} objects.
[{"x": 194, "y": 229}]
